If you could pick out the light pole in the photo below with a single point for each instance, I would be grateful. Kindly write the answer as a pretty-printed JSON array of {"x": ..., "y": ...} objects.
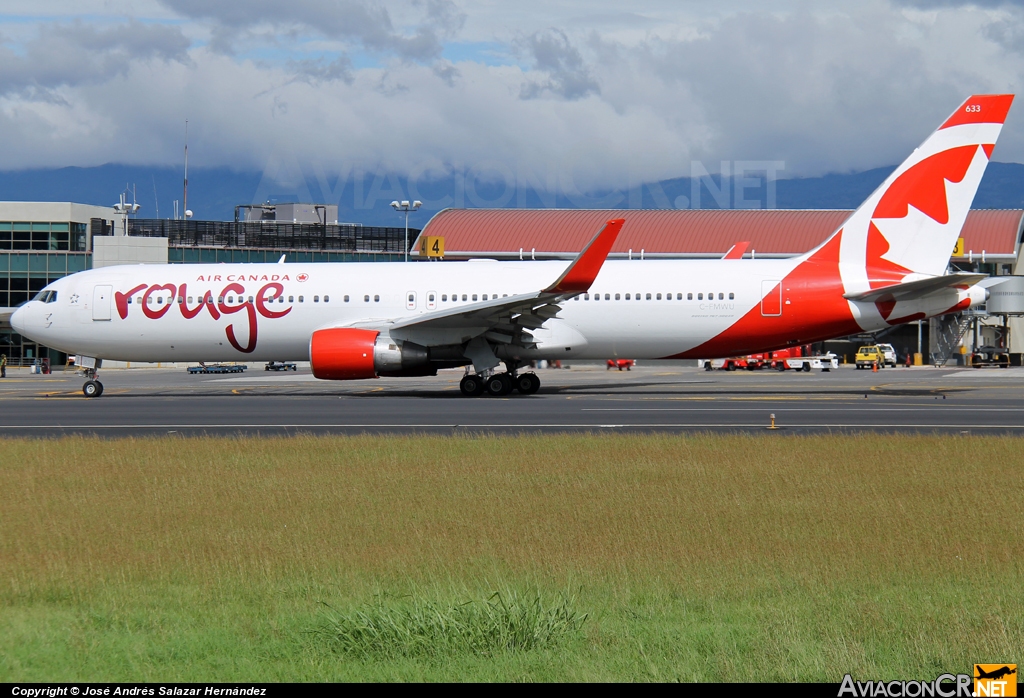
[{"x": 406, "y": 207}]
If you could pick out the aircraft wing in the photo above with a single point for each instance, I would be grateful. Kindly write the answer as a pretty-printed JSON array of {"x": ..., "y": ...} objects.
[
  {"x": 912, "y": 290},
  {"x": 509, "y": 320}
]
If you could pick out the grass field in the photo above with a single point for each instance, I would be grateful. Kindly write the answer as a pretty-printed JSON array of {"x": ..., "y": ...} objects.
[{"x": 509, "y": 558}]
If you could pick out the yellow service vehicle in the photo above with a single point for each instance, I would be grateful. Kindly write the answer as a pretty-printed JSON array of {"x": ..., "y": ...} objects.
[{"x": 869, "y": 356}]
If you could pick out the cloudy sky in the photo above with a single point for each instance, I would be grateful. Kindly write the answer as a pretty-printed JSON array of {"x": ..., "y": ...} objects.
[{"x": 611, "y": 95}]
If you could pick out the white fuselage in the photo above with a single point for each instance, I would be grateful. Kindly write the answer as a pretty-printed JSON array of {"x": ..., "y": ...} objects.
[{"x": 260, "y": 312}]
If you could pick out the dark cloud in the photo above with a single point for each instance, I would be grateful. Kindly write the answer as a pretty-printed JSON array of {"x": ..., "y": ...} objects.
[
  {"x": 79, "y": 53},
  {"x": 318, "y": 71},
  {"x": 366, "y": 22},
  {"x": 552, "y": 53}
]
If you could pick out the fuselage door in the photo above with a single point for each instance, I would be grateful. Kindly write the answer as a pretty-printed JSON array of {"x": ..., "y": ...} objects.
[
  {"x": 771, "y": 298},
  {"x": 101, "y": 296}
]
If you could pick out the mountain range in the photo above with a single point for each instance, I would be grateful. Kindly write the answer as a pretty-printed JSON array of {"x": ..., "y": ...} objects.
[{"x": 365, "y": 199}]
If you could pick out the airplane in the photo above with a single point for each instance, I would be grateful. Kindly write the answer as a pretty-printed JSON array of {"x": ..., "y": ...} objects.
[
  {"x": 885, "y": 265},
  {"x": 995, "y": 673}
]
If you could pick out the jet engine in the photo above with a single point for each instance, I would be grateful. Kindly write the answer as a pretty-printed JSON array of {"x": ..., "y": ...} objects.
[{"x": 345, "y": 353}]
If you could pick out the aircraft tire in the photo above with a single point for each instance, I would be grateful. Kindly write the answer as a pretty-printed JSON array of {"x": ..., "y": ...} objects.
[
  {"x": 527, "y": 383},
  {"x": 472, "y": 386},
  {"x": 92, "y": 389},
  {"x": 498, "y": 385}
]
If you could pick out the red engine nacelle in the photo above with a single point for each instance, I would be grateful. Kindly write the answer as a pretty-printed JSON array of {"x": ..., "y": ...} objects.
[{"x": 343, "y": 353}]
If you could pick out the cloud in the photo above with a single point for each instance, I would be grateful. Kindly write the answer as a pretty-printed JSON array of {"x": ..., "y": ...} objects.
[
  {"x": 366, "y": 22},
  {"x": 75, "y": 53},
  {"x": 553, "y": 54},
  {"x": 565, "y": 98}
]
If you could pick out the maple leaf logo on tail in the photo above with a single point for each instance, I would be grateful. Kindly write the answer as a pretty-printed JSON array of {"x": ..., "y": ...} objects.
[{"x": 910, "y": 224}]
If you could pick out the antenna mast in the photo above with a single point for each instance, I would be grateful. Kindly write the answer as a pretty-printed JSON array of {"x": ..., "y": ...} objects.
[{"x": 185, "y": 202}]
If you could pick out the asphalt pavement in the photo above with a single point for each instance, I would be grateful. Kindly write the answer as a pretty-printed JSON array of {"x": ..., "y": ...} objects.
[{"x": 651, "y": 397}]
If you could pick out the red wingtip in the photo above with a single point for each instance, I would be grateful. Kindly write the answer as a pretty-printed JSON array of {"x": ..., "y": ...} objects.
[
  {"x": 981, "y": 109},
  {"x": 737, "y": 251},
  {"x": 582, "y": 272}
]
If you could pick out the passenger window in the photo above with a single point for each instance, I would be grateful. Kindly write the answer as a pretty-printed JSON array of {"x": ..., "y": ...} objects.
[
  {"x": 366, "y": 299},
  {"x": 130, "y": 300},
  {"x": 463, "y": 296},
  {"x": 301, "y": 299},
  {"x": 327, "y": 299},
  {"x": 607, "y": 297},
  {"x": 679, "y": 296},
  {"x": 346, "y": 298},
  {"x": 376, "y": 299},
  {"x": 732, "y": 296},
  {"x": 616, "y": 296},
  {"x": 189, "y": 299},
  {"x": 638, "y": 296},
  {"x": 627, "y": 296},
  {"x": 250, "y": 299},
  {"x": 659, "y": 296},
  {"x": 474, "y": 296},
  {"x": 485, "y": 296},
  {"x": 721, "y": 296},
  {"x": 700, "y": 296},
  {"x": 430, "y": 298},
  {"x": 668, "y": 296},
  {"x": 586, "y": 296},
  {"x": 220, "y": 299},
  {"x": 648, "y": 296},
  {"x": 316, "y": 299},
  {"x": 412, "y": 298},
  {"x": 291, "y": 299},
  {"x": 180, "y": 300},
  {"x": 689, "y": 296},
  {"x": 711, "y": 296},
  {"x": 444, "y": 297},
  {"x": 575, "y": 298}
]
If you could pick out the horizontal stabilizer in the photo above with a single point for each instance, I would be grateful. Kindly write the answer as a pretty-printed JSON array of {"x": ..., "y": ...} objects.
[{"x": 912, "y": 290}]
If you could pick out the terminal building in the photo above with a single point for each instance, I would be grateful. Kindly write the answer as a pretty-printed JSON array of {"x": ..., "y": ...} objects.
[
  {"x": 41, "y": 242},
  {"x": 44, "y": 241}
]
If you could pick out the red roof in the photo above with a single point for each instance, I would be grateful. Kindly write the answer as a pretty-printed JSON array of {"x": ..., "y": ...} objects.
[{"x": 710, "y": 233}]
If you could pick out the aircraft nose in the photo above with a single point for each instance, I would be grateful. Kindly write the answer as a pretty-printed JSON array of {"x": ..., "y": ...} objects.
[{"x": 18, "y": 320}]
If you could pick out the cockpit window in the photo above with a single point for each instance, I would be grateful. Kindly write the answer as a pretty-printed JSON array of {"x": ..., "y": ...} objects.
[
  {"x": 46, "y": 296},
  {"x": 52, "y": 298},
  {"x": 41, "y": 296}
]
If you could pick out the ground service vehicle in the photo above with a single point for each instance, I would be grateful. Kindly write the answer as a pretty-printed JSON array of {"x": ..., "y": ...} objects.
[
  {"x": 620, "y": 364},
  {"x": 884, "y": 266},
  {"x": 888, "y": 354},
  {"x": 990, "y": 356},
  {"x": 869, "y": 357}
]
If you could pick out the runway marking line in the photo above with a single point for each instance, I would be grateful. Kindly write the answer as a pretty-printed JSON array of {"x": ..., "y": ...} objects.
[{"x": 757, "y": 425}]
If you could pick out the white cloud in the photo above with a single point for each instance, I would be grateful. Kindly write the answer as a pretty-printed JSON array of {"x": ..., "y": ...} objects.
[{"x": 598, "y": 96}]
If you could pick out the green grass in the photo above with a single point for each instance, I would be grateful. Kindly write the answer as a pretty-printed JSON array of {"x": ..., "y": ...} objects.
[{"x": 528, "y": 558}]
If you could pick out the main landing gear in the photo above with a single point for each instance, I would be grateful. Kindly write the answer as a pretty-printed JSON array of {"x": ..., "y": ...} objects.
[{"x": 500, "y": 384}]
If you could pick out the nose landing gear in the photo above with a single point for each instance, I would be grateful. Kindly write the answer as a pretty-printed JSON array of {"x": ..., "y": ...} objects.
[{"x": 92, "y": 387}]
